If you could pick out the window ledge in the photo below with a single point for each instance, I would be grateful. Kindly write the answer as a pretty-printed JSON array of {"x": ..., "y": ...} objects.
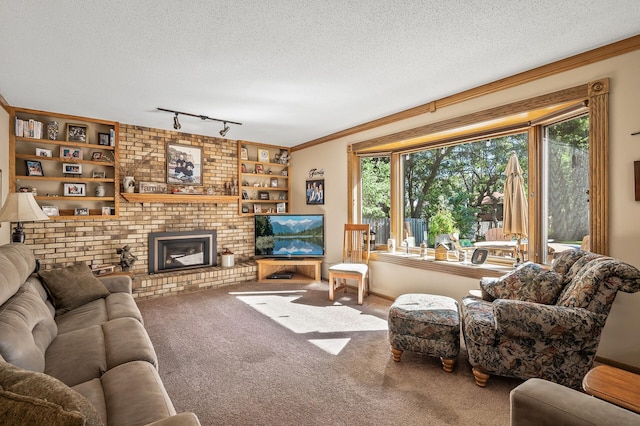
[{"x": 469, "y": 270}]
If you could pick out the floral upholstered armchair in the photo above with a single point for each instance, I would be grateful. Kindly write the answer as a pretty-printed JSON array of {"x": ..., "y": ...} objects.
[{"x": 543, "y": 323}]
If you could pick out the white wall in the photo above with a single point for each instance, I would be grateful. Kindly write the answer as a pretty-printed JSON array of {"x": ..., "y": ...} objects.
[
  {"x": 4, "y": 167},
  {"x": 620, "y": 340}
]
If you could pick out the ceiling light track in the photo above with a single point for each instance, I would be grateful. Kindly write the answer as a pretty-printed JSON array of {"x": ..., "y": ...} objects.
[{"x": 177, "y": 125}]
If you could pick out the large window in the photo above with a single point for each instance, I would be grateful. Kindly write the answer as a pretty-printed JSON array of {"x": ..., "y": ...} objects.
[{"x": 448, "y": 177}]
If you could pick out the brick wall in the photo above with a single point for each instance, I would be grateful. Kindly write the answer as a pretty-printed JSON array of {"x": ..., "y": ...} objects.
[{"x": 63, "y": 242}]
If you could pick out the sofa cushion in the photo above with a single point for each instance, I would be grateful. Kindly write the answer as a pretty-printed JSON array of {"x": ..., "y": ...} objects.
[
  {"x": 529, "y": 282},
  {"x": 87, "y": 353},
  {"x": 27, "y": 328},
  {"x": 130, "y": 393},
  {"x": 99, "y": 311},
  {"x": 32, "y": 398},
  {"x": 16, "y": 263},
  {"x": 72, "y": 286}
]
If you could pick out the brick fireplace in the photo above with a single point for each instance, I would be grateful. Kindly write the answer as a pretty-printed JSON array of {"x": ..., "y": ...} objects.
[
  {"x": 172, "y": 251},
  {"x": 63, "y": 242}
]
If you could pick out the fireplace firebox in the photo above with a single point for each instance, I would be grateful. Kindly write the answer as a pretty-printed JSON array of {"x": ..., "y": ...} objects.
[{"x": 171, "y": 251}]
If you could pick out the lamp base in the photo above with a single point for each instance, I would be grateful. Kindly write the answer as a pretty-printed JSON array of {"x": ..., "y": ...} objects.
[{"x": 18, "y": 235}]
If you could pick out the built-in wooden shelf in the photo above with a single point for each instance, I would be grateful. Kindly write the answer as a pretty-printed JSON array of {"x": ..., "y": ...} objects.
[{"x": 135, "y": 197}]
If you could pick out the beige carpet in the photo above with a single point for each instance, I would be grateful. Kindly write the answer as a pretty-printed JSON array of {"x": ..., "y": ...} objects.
[{"x": 282, "y": 354}]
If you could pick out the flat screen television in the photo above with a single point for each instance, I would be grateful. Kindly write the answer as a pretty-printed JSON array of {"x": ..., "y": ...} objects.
[{"x": 289, "y": 235}]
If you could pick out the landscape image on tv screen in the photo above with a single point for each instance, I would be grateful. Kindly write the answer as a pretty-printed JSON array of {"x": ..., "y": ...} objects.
[{"x": 289, "y": 235}]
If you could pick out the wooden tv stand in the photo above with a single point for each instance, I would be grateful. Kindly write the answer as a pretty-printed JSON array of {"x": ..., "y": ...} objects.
[{"x": 303, "y": 269}]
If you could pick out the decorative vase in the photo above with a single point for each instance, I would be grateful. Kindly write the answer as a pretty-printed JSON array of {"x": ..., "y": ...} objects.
[
  {"x": 100, "y": 190},
  {"x": 52, "y": 130},
  {"x": 129, "y": 184}
]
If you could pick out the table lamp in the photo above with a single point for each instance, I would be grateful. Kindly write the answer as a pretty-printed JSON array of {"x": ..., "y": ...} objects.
[{"x": 21, "y": 207}]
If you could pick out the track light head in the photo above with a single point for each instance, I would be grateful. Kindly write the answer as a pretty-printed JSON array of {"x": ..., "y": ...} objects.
[
  {"x": 176, "y": 123},
  {"x": 224, "y": 131}
]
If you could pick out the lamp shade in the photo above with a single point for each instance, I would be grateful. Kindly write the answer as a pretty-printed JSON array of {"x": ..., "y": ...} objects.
[{"x": 21, "y": 207}]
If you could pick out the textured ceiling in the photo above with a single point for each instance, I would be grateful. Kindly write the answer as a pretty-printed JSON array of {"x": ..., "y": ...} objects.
[{"x": 290, "y": 71}]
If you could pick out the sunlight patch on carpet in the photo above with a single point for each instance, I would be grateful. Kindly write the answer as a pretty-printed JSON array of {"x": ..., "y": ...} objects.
[
  {"x": 289, "y": 311},
  {"x": 332, "y": 346}
]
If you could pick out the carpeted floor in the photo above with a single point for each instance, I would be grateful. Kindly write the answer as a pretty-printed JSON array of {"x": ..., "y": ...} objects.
[{"x": 282, "y": 354}]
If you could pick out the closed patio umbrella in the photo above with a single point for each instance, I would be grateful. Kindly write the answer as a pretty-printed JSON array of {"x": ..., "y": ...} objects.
[{"x": 515, "y": 203}]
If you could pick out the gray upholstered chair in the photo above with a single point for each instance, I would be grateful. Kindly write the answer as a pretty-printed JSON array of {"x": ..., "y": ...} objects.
[{"x": 544, "y": 323}]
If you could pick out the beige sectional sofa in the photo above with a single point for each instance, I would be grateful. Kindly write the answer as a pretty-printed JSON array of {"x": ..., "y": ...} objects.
[{"x": 73, "y": 349}]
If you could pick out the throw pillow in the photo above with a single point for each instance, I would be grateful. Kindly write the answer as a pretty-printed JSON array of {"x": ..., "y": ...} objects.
[
  {"x": 31, "y": 398},
  {"x": 529, "y": 283},
  {"x": 72, "y": 286}
]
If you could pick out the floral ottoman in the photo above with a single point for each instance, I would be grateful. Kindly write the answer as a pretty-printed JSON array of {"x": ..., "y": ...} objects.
[{"x": 426, "y": 324}]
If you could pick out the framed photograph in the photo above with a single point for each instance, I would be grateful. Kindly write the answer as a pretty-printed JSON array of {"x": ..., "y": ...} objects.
[
  {"x": 479, "y": 256},
  {"x": 245, "y": 195},
  {"x": 51, "y": 210},
  {"x": 72, "y": 169},
  {"x": 281, "y": 208},
  {"x": 184, "y": 164},
  {"x": 244, "y": 153},
  {"x": 259, "y": 168},
  {"x": 96, "y": 156},
  {"x": 106, "y": 211},
  {"x": 245, "y": 209},
  {"x": 41, "y": 152},
  {"x": 263, "y": 195},
  {"x": 99, "y": 175},
  {"x": 282, "y": 196},
  {"x": 68, "y": 152},
  {"x": 263, "y": 155},
  {"x": 103, "y": 139},
  {"x": 244, "y": 168},
  {"x": 77, "y": 133},
  {"x": 34, "y": 168},
  {"x": 75, "y": 189},
  {"x": 274, "y": 182},
  {"x": 315, "y": 191},
  {"x": 257, "y": 208},
  {"x": 82, "y": 211}
]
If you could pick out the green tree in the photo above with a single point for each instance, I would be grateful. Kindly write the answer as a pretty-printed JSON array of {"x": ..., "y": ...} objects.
[{"x": 376, "y": 187}]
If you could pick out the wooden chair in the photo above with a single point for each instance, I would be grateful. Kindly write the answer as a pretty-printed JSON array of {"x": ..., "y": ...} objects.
[{"x": 355, "y": 261}]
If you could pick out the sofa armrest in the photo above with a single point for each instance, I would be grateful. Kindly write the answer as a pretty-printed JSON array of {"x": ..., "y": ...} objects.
[
  {"x": 535, "y": 320},
  {"x": 117, "y": 283},
  {"x": 538, "y": 402},
  {"x": 182, "y": 419}
]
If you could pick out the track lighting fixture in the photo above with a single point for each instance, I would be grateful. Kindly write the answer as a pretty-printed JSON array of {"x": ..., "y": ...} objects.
[
  {"x": 177, "y": 126},
  {"x": 224, "y": 131}
]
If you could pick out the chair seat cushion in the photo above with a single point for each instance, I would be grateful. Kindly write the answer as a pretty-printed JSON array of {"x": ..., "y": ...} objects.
[{"x": 355, "y": 268}]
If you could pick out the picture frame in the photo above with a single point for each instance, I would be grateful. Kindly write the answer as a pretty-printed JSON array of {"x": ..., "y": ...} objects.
[
  {"x": 244, "y": 168},
  {"x": 99, "y": 175},
  {"x": 104, "y": 139},
  {"x": 263, "y": 155},
  {"x": 245, "y": 209},
  {"x": 72, "y": 168},
  {"x": 96, "y": 156},
  {"x": 34, "y": 168},
  {"x": 106, "y": 211},
  {"x": 75, "y": 189},
  {"x": 274, "y": 182},
  {"x": 81, "y": 211},
  {"x": 184, "y": 164},
  {"x": 281, "y": 208},
  {"x": 70, "y": 152},
  {"x": 77, "y": 133},
  {"x": 263, "y": 195},
  {"x": 257, "y": 208},
  {"x": 479, "y": 256},
  {"x": 244, "y": 153},
  {"x": 259, "y": 168},
  {"x": 51, "y": 210},
  {"x": 41, "y": 152},
  {"x": 245, "y": 194},
  {"x": 282, "y": 196},
  {"x": 315, "y": 191}
]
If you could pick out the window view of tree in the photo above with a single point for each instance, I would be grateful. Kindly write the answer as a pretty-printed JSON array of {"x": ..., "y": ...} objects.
[
  {"x": 376, "y": 195},
  {"x": 568, "y": 180},
  {"x": 464, "y": 182}
]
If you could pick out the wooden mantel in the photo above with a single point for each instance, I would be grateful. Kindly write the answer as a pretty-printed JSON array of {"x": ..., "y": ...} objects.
[{"x": 135, "y": 197}]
